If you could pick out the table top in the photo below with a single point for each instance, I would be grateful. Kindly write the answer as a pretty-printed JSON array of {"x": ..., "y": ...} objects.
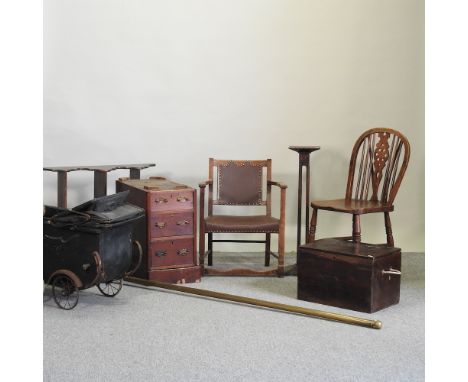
[
  {"x": 304, "y": 149},
  {"x": 102, "y": 168}
]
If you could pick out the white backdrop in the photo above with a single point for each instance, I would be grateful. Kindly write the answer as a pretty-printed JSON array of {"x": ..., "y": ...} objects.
[{"x": 175, "y": 82}]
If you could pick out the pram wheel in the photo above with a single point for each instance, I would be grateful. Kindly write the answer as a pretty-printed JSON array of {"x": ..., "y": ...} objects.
[
  {"x": 110, "y": 288},
  {"x": 65, "y": 292}
]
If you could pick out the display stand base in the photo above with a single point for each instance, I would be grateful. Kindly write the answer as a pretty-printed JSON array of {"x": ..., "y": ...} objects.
[{"x": 290, "y": 270}]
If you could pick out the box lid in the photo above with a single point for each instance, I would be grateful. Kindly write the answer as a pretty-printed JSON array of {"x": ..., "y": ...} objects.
[
  {"x": 155, "y": 183},
  {"x": 348, "y": 248}
]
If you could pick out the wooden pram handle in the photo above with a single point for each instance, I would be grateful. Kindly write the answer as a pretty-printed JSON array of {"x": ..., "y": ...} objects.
[{"x": 140, "y": 256}]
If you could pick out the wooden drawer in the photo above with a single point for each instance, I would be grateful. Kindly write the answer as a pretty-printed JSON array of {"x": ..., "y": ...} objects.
[
  {"x": 179, "y": 275},
  {"x": 171, "y": 200},
  {"x": 171, "y": 224},
  {"x": 171, "y": 252}
]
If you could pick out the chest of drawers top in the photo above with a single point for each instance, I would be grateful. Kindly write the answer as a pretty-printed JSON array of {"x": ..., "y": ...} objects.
[
  {"x": 161, "y": 195},
  {"x": 155, "y": 183}
]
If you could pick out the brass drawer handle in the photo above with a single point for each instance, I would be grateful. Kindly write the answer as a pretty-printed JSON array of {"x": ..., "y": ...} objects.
[
  {"x": 160, "y": 253},
  {"x": 160, "y": 224},
  {"x": 183, "y": 222},
  {"x": 182, "y": 199},
  {"x": 183, "y": 251},
  {"x": 159, "y": 201},
  {"x": 392, "y": 271}
]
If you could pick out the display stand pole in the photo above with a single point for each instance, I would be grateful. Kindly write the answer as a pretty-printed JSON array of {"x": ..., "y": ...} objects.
[{"x": 304, "y": 161}]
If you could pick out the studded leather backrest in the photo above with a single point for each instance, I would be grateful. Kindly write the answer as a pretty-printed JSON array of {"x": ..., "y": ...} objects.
[{"x": 239, "y": 182}]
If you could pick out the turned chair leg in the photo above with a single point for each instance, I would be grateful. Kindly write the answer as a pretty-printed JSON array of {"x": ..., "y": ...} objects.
[
  {"x": 267, "y": 250},
  {"x": 210, "y": 249},
  {"x": 312, "y": 227},
  {"x": 356, "y": 228},
  {"x": 201, "y": 248},
  {"x": 281, "y": 253},
  {"x": 388, "y": 229}
]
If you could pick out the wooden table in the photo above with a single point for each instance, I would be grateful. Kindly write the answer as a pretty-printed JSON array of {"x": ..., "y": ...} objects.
[{"x": 100, "y": 177}]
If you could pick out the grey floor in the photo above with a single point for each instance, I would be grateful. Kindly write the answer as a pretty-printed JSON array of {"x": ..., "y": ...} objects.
[{"x": 146, "y": 334}]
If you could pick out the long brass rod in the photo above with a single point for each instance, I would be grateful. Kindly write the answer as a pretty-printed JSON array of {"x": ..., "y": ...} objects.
[{"x": 352, "y": 320}]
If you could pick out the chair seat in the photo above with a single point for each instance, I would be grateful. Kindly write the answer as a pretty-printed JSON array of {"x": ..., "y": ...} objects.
[
  {"x": 352, "y": 206},
  {"x": 242, "y": 224}
]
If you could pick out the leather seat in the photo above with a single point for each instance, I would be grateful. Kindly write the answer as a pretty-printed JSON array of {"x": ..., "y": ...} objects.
[{"x": 242, "y": 224}]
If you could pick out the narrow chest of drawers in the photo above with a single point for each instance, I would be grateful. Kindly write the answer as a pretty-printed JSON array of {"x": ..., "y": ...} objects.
[{"x": 168, "y": 234}]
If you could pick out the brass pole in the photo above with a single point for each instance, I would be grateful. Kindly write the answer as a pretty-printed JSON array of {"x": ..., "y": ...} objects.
[{"x": 374, "y": 324}]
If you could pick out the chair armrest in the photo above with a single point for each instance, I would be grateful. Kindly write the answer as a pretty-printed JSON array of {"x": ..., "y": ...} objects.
[
  {"x": 279, "y": 184},
  {"x": 205, "y": 183},
  {"x": 283, "y": 188},
  {"x": 202, "y": 186}
]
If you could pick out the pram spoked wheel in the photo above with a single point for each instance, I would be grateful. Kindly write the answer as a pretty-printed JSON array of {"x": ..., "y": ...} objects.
[
  {"x": 110, "y": 288},
  {"x": 65, "y": 292}
]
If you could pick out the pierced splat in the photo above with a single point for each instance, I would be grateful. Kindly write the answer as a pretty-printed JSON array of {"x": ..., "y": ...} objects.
[{"x": 380, "y": 160}]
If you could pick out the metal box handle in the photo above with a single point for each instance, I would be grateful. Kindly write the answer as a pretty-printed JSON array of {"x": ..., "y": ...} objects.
[{"x": 391, "y": 271}]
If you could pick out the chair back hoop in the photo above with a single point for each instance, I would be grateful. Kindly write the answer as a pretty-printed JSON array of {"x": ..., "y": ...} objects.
[
  {"x": 239, "y": 182},
  {"x": 380, "y": 156}
]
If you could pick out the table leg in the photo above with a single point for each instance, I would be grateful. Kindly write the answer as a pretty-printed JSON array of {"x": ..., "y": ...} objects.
[
  {"x": 100, "y": 183},
  {"x": 62, "y": 189},
  {"x": 134, "y": 173}
]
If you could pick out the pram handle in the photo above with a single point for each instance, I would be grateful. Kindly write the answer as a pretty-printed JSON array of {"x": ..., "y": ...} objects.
[
  {"x": 60, "y": 224},
  {"x": 140, "y": 256},
  {"x": 99, "y": 269}
]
